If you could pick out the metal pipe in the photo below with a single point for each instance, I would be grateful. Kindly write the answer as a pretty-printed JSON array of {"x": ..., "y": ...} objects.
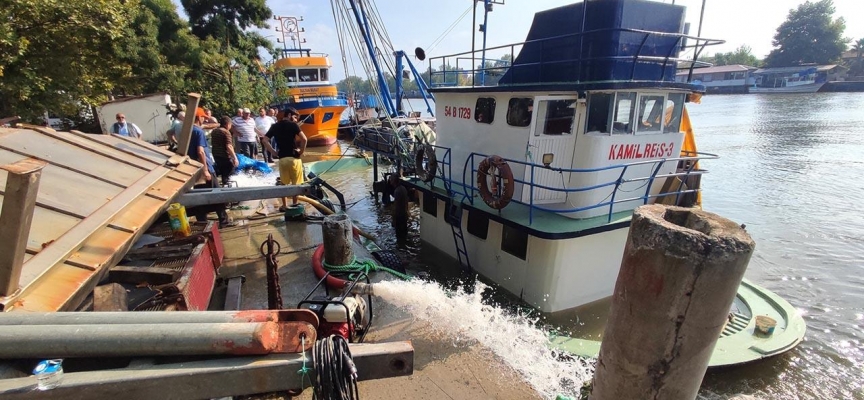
[
  {"x": 214, "y": 378},
  {"x": 148, "y": 317},
  {"x": 63, "y": 341},
  {"x": 16, "y": 216},
  {"x": 200, "y": 197}
]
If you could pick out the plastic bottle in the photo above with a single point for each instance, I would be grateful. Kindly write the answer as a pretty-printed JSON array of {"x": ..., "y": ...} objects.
[
  {"x": 178, "y": 220},
  {"x": 48, "y": 373}
]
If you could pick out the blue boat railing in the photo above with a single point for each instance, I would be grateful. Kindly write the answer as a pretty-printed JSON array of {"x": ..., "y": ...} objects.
[
  {"x": 685, "y": 167},
  {"x": 501, "y": 66}
]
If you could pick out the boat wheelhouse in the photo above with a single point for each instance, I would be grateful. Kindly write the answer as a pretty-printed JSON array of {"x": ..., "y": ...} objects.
[{"x": 308, "y": 87}]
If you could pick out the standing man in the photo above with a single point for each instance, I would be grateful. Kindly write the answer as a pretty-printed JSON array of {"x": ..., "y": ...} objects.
[
  {"x": 247, "y": 135},
  {"x": 223, "y": 150},
  {"x": 176, "y": 125},
  {"x": 199, "y": 150},
  {"x": 263, "y": 122},
  {"x": 123, "y": 128},
  {"x": 399, "y": 212},
  {"x": 292, "y": 144}
]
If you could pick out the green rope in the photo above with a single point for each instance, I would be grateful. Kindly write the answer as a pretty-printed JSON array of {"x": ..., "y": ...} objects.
[
  {"x": 304, "y": 370},
  {"x": 365, "y": 267}
]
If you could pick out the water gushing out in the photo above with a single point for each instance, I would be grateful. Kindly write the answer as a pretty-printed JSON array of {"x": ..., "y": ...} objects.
[{"x": 514, "y": 339}]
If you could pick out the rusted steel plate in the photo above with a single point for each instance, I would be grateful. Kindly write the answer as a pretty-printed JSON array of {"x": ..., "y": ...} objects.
[{"x": 95, "y": 199}]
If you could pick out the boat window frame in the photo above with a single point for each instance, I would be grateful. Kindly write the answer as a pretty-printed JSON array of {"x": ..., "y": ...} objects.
[
  {"x": 631, "y": 112},
  {"x": 430, "y": 203},
  {"x": 490, "y": 113},
  {"x": 315, "y": 78},
  {"x": 323, "y": 74},
  {"x": 478, "y": 224},
  {"x": 285, "y": 74},
  {"x": 547, "y": 118},
  {"x": 528, "y": 103},
  {"x": 514, "y": 241},
  {"x": 641, "y": 129},
  {"x": 592, "y": 98}
]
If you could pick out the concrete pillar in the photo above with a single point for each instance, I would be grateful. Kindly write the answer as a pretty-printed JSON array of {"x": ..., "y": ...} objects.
[
  {"x": 337, "y": 240},
  {"x": 679, "y": 275}
]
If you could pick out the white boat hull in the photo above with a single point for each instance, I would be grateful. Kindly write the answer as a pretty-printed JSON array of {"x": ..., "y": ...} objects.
[
  {"x": 555, "y": 275},
  {"x": 808, "y": 88}
]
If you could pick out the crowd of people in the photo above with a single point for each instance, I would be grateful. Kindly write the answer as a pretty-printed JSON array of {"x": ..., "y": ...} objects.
[{"x": 280, "y": 139}]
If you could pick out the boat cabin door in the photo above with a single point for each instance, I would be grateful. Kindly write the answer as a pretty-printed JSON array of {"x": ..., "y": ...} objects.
[{"x": 552, "y": 140}]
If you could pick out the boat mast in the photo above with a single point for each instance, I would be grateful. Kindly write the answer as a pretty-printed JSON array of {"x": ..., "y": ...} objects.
[
  {"x": 363, "y": 23},
  {"x": 487, "y": 8},
  {"x": 290, "y": 29}
]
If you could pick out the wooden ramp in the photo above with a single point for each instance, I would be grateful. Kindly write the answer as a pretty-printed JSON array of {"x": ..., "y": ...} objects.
[{"x": 96, "y": 197}]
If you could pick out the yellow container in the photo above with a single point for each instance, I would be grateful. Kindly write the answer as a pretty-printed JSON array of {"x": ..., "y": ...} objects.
[{"x": 178, "y": 220}]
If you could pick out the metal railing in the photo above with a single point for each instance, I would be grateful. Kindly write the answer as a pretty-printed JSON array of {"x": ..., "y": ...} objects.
[
  {"x": 685, "y": 167},
  {"x": 472, "y": 57}
]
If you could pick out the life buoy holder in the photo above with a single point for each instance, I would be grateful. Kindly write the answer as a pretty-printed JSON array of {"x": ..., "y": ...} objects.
[
  {"x": 427, "y": 172},
  {"x": 498, "y": 191}
]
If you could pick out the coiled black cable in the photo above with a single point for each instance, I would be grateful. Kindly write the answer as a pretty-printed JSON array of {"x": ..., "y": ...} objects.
[{"x": 335, "y": 373}]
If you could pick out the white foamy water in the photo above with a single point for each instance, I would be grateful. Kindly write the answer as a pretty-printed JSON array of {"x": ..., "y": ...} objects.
[
  {"x": 514, "y": 339},
  {"x": 252, "y": 179}
]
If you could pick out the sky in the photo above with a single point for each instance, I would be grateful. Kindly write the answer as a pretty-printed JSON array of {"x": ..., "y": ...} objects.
[{"x": 418, "y": 23}]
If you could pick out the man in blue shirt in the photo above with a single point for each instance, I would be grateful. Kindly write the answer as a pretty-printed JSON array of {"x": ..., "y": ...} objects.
[{"x": 199, "y": 150}]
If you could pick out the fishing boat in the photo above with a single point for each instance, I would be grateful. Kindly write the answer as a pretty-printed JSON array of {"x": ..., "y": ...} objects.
[
  {"x": 803, "y": 81},
  {"x": 535, "y": 174},
  {"x": 308, "y": 86}
]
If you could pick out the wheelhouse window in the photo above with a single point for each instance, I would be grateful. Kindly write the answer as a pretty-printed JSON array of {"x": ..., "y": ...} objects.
[
  {"x": 624, "y": 107},
  {"x": 290, "y": 75},
  {"x": 324, "y": 74},
  {"x": 673, "y": 112},
  {"x": 519, "y": 111},
  {"x": 308, "y": 74},
  {"x": 559, "y": 117},
  {"x": 650, "y": 111},
  {"x": 599, "y": 105},
  {"x": 484, "y": 111}
]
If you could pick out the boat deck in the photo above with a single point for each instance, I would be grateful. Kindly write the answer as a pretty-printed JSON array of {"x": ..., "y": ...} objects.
[{"x": 542, "y": 224}]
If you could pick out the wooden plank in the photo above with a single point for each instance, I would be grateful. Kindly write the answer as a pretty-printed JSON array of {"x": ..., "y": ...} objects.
[
  {"x": 110, "y": 297},
  {"x": 69, "y": 242},
  {"x": 56, "y": 152},
  {"x": 97, "y": 147},
  {"x": 22, "y": 184}
]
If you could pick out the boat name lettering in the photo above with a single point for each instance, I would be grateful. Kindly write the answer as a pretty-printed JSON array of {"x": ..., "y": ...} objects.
[
  {"x": 457, "y": 112},
  {"x": 309, "y": 90},
  {"x": 637, "y": 151}
]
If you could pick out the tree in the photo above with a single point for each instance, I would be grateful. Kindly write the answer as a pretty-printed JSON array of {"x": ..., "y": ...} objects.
[
  {"x": 743, "y": 55},
  {"x": 809, "y": 35},
  {"x": 857, "y": 68},
  {"x": 57, "y": 55}
]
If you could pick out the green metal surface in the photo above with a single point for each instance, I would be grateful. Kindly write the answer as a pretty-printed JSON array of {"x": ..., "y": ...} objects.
[{"x": 737, "y": 344}]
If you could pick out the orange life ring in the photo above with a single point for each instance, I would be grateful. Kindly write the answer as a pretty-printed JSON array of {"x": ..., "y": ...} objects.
[
  {"x": 498, "y": 191},
  {"x": 426, "y": 173}
]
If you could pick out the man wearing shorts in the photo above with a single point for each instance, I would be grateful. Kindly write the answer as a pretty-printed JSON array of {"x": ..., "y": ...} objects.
[{"x": 291, "y": 143}]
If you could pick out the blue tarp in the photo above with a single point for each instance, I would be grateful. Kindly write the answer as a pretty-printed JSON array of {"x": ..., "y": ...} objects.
[{"x": 245, "y": 163}]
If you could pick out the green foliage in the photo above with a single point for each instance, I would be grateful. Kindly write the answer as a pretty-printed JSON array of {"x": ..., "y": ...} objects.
[
  {"x": 856, "y": 67},
  {"x": 58, "y": 54},
  {"x": 743, "y": 55},
  {"x": 809, "y": 35},
  {"x": 66, "y": 56}
]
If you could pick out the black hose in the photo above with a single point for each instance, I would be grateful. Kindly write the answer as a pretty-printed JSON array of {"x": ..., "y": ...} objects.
[{"x": 335, "y": 375}]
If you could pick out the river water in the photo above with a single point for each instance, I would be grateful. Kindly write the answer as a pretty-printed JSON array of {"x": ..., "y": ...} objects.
[{"x": 791, "y": 169}]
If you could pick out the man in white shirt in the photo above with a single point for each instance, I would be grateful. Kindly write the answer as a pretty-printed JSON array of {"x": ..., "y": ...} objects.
[
  {"x": 263, "y": 122},
  {"x": 123, "y": 128},
  {"x": 247, "y": 134}
]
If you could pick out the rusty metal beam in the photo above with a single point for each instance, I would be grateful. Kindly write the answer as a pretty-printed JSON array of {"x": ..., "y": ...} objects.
[
  {"x": 156, "y": 317},
  {"x": 211, "y": 378},
  {"x": 114, "y": 340},
  {"x": 198, "y": 197},
  {"x": 185, "y": 135},
  {"x": 19, "y": 201}
]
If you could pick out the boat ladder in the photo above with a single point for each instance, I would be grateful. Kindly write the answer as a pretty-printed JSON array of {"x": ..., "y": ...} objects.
[{"x": 454, "y": 218}]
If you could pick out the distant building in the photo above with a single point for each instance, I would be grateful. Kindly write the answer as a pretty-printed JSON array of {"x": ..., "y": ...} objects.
[{"x": 721, "y": 79}]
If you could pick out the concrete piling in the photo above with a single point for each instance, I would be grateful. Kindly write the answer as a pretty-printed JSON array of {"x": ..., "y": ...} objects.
[
  {"x": 679, "y": 275},
  {"x": 337, "y": 240}
]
